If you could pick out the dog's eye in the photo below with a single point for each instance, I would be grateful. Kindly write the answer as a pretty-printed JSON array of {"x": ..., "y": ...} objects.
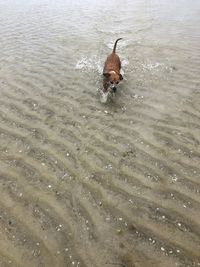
[
  {"x": 111, "y": 82},
  {"x": 117, "y": 82}
]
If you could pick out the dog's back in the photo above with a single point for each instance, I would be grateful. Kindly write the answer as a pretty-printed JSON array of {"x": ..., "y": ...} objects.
[
  {"x": 111, "y": 70},
  {"x": 112, "y": 63}
]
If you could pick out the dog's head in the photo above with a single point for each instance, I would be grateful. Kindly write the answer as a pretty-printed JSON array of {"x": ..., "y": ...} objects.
[{"x": 113, "y": 78}]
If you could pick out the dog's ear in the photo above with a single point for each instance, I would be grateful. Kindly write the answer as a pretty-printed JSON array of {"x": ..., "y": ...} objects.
[
  {"x": 121, "y": 77},
  {"x": 106, "y": 74}
]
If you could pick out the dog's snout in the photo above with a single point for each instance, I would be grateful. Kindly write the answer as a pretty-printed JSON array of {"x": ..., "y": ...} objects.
[{"x": 114, "y": 89}]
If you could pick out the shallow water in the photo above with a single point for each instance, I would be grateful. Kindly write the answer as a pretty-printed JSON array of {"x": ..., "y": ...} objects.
[{"x": 89, "y": 184}]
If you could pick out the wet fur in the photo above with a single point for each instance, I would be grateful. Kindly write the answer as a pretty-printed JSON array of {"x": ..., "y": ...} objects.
[{"x": 111, "y": 70}]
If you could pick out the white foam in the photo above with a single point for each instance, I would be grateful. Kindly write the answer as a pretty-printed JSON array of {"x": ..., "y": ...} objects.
[
  {"x": 152, "y": 66},
  {"x": 89, "y": 63},
  {"x": 104, "y": 97},
  {"x": 94, "y": 63},
  {"x": 124, "y": 62}
]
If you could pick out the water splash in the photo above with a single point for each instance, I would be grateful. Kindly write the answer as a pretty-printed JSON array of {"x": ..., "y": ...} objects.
[{"x": 89, "y": 63}]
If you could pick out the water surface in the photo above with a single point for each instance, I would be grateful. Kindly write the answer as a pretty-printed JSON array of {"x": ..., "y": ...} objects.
[{"x": 89, "y": 184}]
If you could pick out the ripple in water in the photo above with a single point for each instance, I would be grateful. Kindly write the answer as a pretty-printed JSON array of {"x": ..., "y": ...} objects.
[{"x": 88, "y": 184}]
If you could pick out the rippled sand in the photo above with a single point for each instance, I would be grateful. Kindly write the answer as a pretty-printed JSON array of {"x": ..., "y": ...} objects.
[{"x": 89, "y": 184}]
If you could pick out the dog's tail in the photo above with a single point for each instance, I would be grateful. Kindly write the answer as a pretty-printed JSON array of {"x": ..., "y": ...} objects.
[{"x": 115, "y": 45}]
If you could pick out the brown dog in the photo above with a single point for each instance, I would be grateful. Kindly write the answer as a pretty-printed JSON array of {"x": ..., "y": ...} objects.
[{"x": 111, "y": 71}]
